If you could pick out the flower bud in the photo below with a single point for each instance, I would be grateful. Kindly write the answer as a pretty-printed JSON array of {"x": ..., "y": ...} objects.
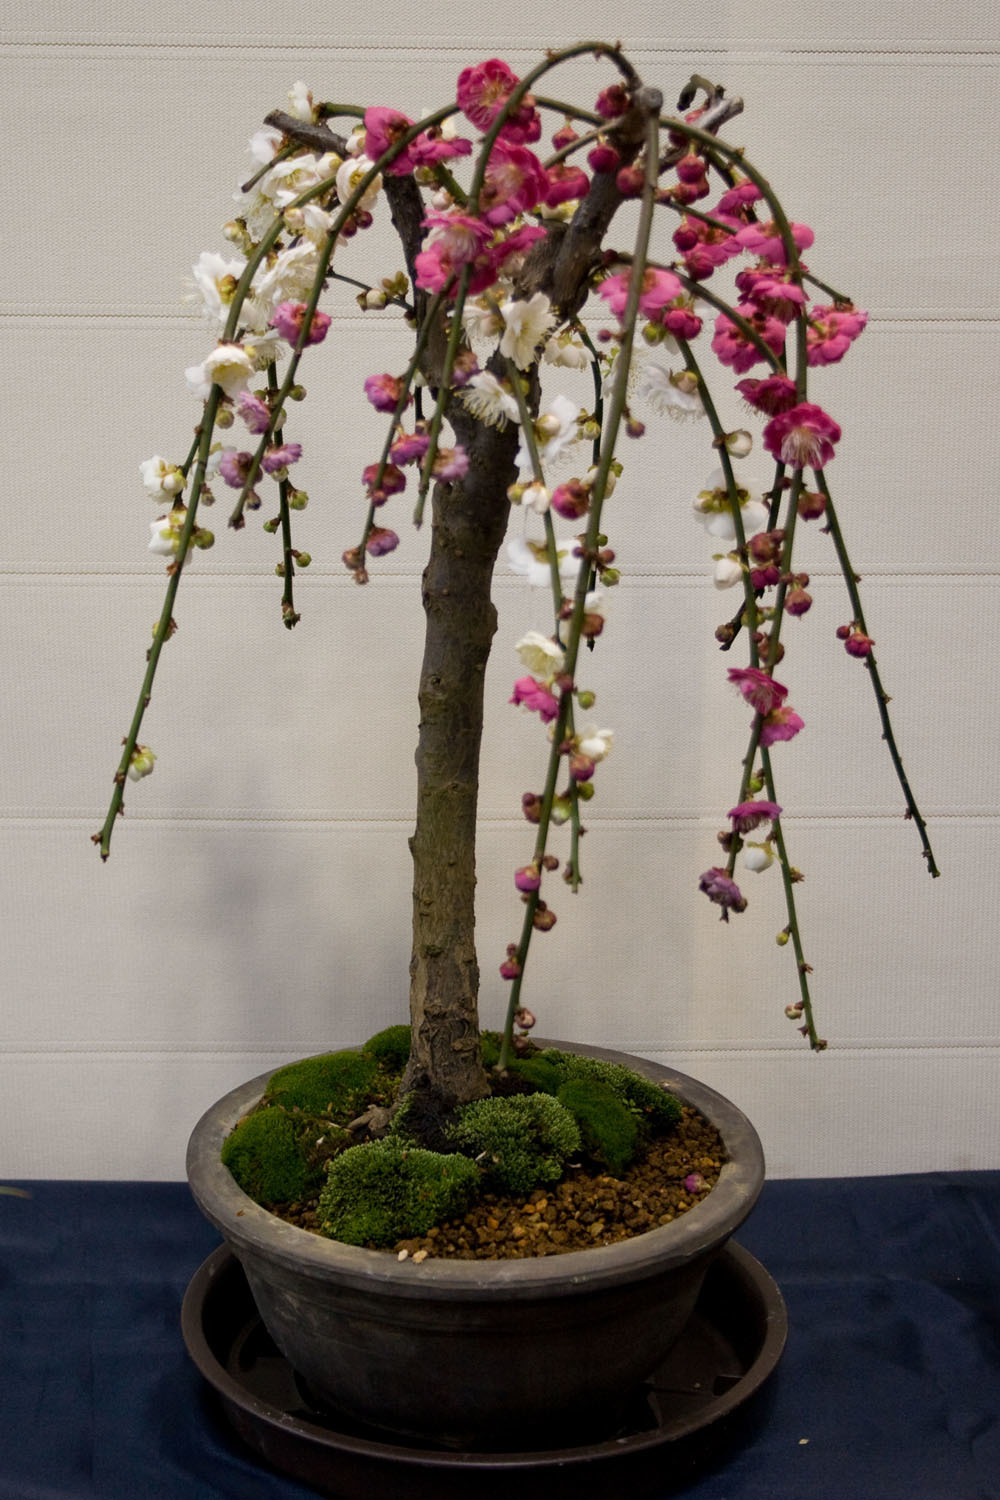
[
  {"x": 739, "y": 443},
  {"x": 141, "y": 763},
  {"x": 531, "y": 806},
  {"x": 527, "y": 878},
  {"x": 694, "y": 1182},
  {"x": 797, "y": 601},
  {"x": 781, "y": 938},
  {"x": 586, "y": 699},
  {"x": 544, "y": 919},
  {"x": 524, "y": 1018}
]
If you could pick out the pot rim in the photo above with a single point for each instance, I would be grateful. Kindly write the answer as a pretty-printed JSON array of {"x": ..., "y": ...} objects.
[{"x": 702, "y": 1228}]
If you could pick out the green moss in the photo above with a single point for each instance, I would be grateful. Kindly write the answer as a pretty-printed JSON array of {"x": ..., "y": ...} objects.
[
  {"x": 267, "y": 1157},
  {"x": 390, "y": 1048},
  {"x": 380, "y": 1193},
  {"x": 336, "y": 1085},
  {"x": 489, "y": 1048},
  {"x": 609, "y": 1129},
  {"x": 520, "y": 1141},
  {"x": 654, "y": 1106},
  {"x": 544, "y": 1076}
]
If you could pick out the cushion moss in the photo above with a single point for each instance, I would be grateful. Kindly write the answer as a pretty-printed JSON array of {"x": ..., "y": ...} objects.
[
  {"x": 390, "y": 1048},
  {"x": 267, "y": 1158},
  {"x": 656, "y": 1108},
  {"x": 609, "y": 1129},
  {"x": 336, "y": 1085},
  {"x": 521, "y": 1141},
  {"x": 379, "y": 1193}
]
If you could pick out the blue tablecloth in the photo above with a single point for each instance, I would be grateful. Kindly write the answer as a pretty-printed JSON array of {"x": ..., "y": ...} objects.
[{"x": 889, "y": 1388}]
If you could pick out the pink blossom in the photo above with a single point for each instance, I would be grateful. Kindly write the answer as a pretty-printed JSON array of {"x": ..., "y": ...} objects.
[
  {"x": 566, "y": 182},
  {"x": 765, "y": 240},
  {"x": 773, "y": 394},
  {"x": 758, "y": 688},
  {"x": 288, "y": 318},
  {"x": 779, "y": 724},
  {"x": 235, "y": 467},
  {"x": 731, "y": 346},
  {"x": 771, "y": 291},
  {"x": 276, "y": 459},
  {"x": 750, "y": 815},
  {"x": 383, "y": 128},
  {"x": 450, "y": 464},
  {"x": 409, "y": 446},
  {"x": 484, "y": 89},
  {"x": 803, "y": 436},
  {"x": 534, "y": 695},
  {"x": 381, "y": 540},
  {"x": 678, "y": 319},
  {"x": 515, "y": 182},
  {"x": 740, "y": 195},
  {"x": 393, "y": 482},
  {"x": 831, "y": 332},
  {"x": 658, "y": 288},
  {"x": 430, "y": 147},
  {"x": 384, "y": 391},
  {"x": 856, "y": 643},
  {"x": 515, "y": 244},
  {"x": 720, "y": 888},
  {"x": 571, "y": 499},
  {"x": 454, "y": 239},
  {"x": 612, "y": 101},
  {"x": 603, "y": 158},
  {"x": 255, "y": 412}
]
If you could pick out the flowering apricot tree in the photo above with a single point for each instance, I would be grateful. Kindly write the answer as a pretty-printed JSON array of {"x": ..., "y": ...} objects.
[{"x": 504, "y": 242}]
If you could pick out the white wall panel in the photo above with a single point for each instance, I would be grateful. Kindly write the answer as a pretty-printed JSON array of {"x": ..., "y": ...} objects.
[{"x": 248, "y": 915}]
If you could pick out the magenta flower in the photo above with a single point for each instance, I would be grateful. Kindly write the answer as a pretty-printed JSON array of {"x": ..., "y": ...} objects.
[
  {"x": 831, "y": 332},
  {"x": 612, "y": 101},
  {"x": 780, "y": 724},
  {"x": 658, "y": 288},
  {"x": 393, "y": 482},
  {"x": 750, "y": 815},
  {"x": 276, "y": 459},
  {"x": 409, "y": 446},
  {"x": 679, "y": 320},
  {"x": 718, "y": 887},
  {"x": 773, "y": 394},
  {"x": 765, "y": 240},
  {"x": 255, "y": 412},
  {"x": 450, "y": 464},
  {"x": 383, "y": 128},
  {"x": 462, "y": 235},
  {"x": 384, "y": 391},
  {"x": 429, "y": 148},
  {"x": 566, "y": 182},
  {"x": 534, "y": 695},
  {"x": 515, "y": 182},
  {"x": 289, "y": 317},
  {"x": 771, "y": 291},
  {"x": 484, "y": 89},
  {"x": 732, "y": 347},
  {"x": 758, "y": 688},
  {"x": 381, "y": 540},
  {"x": 235, "y": 467},
  {"x": 803, "y": 436},
  {"x": 740, "y": 195},
  {"x": 571, "y": 499}
]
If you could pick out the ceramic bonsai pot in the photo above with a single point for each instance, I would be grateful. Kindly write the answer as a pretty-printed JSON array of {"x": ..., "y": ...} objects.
[{"x": 478, "y": 1354}]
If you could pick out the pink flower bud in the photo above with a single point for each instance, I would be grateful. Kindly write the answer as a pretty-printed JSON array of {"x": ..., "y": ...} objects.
[
  {"x": 603, "y": 158},
  {"x": 527, "y": 878},
  {"x": 524, "y": 1018},
  {"x": 797, "y": 601},
  {"x": 858, "y": 644},
  {"x": 694, "y": 1182},
  {"x": 691, "y": 168},
  {"x": 531, "y": 806},
  {"x": 544, "y": 919}
]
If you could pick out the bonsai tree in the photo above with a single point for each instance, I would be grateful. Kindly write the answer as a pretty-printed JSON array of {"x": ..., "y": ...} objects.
[{"x": 505, "y": 237}]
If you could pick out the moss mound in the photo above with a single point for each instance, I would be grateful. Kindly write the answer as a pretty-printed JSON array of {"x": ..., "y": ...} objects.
[
  {"x": 520, "y": 1141},
  {"x": 658, "y": 1110},
  {"x": 336, "y": 1086},
  {"x": 609, "y": 1130},
  {"x": 390, "y": 1048},
  {"x": 266, "y": 1156},
  {"x": 380, "y": 1193}
]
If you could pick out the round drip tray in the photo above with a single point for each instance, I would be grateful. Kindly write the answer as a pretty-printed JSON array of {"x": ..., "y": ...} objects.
[{"x": 692, "y": 1411}]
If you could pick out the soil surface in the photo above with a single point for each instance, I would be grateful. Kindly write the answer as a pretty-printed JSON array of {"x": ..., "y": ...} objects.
[{"x": 587, "y": 1208}]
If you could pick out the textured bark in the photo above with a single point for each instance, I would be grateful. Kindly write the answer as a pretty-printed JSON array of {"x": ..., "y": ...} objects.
[{"x": 469, "y": 522}]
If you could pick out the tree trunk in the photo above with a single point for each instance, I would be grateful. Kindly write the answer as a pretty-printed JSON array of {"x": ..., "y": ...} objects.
[{"x": 468, "y": 526}]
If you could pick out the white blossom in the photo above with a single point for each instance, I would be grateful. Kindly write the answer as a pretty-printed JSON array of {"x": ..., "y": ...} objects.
[
  {"x": 215, "y": 281},
  {"x": 672, "y": 394},
  {"x": 540, "y": 655},
  {"x": 595, "y": 744},
  {"x": 228, "y": 365},
  {"x": 349, "y": 175},
  {"x": 162, "y": 481},
  {"x": 566, "y": 351},
  {"x": 165, "y": 534},
  {"x": 531, "y": 560},
  {"x": 526, "y": 324},
  {"x": 300, "y": 102},
  {"x": 555, "y": 430},
  {"x": 140, "y": 763},
  {"x": 489, "y": 402},
  {"x": 713, "y": 510},
  {"x": 727, "y": 572},
  {"x": 264, "y": 144},
  {"x": 757, "y": 857}
]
